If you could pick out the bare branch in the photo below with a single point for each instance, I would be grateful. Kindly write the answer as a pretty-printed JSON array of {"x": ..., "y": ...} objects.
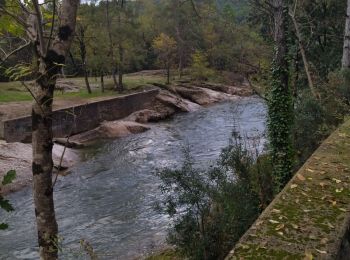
[
  {"x": 39, "y": 28},
  {"x": 52, "y": 25},
  {"x": 32, "y": 94},
  {"x": 14, "y": 52}
]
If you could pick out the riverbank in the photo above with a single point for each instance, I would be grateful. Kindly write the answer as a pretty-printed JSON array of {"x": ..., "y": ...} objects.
[{"x": 171, "y": 99}]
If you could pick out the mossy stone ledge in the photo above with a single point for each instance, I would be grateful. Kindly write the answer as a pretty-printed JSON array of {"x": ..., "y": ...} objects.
[{"x": 310, "y": 218}]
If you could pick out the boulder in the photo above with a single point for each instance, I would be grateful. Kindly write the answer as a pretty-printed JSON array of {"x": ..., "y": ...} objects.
[
  {"x": 18, "y": 156},
  {"x": 112, "y": 129},
  {"x": 145, "y": 115},
  {"x": 178, "y": 103},
  {"x": 202, "y": 96},
  {"x": 242, "y": 90}
]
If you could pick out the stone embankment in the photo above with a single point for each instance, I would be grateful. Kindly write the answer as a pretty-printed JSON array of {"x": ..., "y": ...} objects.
[
  {"x": 116, "y": 117},
  {"x": 310, "y": 218}
]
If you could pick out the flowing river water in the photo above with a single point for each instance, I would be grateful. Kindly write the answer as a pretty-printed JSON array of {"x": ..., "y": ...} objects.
[{"x": 109, "y": 198}]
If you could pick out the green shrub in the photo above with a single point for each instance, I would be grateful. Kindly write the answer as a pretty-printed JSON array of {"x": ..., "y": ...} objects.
[{"x": 212, "y": 208}]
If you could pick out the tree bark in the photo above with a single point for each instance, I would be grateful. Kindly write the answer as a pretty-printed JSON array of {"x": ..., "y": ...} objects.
[
  {"x": 82, "y": 49},
  {"x": 346, "y": 48},
  {"x": 102, "y": 83},
  {"x": 120, "y": 68},
  {"x": 86, "y": 78},
  {"x": 303, "y": 55},
  {"x": 280, "y": 41},
  {"x": 120, "y": 50},
  {"x": 168, "y": 74},
  {"x": 280, "y": 108},
  {"x": 114, "y": 76},
  {"x": 49, "y": 65},
  {"x": 111, "y": 45}
]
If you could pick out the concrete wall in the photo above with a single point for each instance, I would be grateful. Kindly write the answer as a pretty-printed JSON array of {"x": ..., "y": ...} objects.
[
  {"x": 310, "y": 218},
  {"x": 79, "y": 118}
]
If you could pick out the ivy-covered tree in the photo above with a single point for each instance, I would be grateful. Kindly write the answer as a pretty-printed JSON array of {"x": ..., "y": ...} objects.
[{"x": 280, "y": 109}]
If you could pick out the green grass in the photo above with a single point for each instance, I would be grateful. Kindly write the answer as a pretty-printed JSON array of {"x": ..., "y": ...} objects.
[{"x": 14, "y": 91}]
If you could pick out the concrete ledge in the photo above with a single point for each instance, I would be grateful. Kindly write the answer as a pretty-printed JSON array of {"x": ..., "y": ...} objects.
[
  {"x": 79, "y": 118},
  {"x": 310, "y": 218}
]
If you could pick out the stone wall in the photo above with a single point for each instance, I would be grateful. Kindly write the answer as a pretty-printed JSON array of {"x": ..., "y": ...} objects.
[
  {"x": 77, "y": 119},
  {"x": 310, "y": 218}
]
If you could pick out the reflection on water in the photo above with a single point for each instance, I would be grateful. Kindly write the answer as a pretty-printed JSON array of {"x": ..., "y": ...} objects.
[{"x": 108, "y": 199}]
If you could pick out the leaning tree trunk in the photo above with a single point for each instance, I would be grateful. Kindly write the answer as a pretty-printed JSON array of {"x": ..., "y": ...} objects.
[
  {"x": 50, "y": 56},
  {"x": 346, "y": 48},
  {"x": 303, "y": 55}
]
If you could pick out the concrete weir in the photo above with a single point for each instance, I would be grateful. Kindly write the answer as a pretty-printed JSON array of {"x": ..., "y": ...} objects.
[
  {"x": 310, "y": 218},
  {"x": 80, "y": 118}
]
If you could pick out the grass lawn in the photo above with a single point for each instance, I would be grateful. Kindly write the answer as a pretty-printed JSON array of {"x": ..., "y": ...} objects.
[{"x": 14, "y": 91}]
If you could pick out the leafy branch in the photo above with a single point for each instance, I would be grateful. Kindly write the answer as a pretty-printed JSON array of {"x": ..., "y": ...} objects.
[{"x": 4, "y": 203}]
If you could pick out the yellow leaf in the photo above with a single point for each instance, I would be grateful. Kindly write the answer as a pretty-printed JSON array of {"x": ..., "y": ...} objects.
[
  {"x": 244, "y": 246},
  {"x": 279, "y": 227},
  {"x": 330, "y": 225},
  {"x": 339, "y": 190},
  {"x": 321, "y": 252},
  {"x": 276, "y": 211},
  {"x": 274, "y": 221},
  {"x": 295, "y": 226},
  {"x": 336, "y": 180},
  {"x": 310, "y": 170},
  {"x": 342, "y": 209},
  {"x": 293, "y": 186},
  {"x": 301, "y": 177},
  {"x": 280, "y": 233}
]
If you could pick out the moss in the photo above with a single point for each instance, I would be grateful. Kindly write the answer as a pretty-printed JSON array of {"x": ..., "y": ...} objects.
[
  {"x": 312, "y": 209},
  {"x": 167, "y": 254}
]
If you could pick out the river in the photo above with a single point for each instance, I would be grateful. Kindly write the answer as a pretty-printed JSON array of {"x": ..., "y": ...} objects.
[{"x": 108, "y": 199}]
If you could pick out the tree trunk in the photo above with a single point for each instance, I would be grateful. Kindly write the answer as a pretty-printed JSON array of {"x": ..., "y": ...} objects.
[
  {"x": 280, "y": 109},
  {"x": 346, "y": 48},
  {"x": 49, "y": 67},
  {"x": 42, "y": 167},
  {"x": 102, "y": 83},
  {"x": 280, "y": 41},
  {"x": 86, "y": 78},
  {"x": 303, "y": 55},
  {"x": 111, "y": 49},
  {"x": 120, "y": 68},
  {"x": 168, "y": 74},
  {"x": 115, "y": 79},
  {"x": 82, "y": 49}
]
